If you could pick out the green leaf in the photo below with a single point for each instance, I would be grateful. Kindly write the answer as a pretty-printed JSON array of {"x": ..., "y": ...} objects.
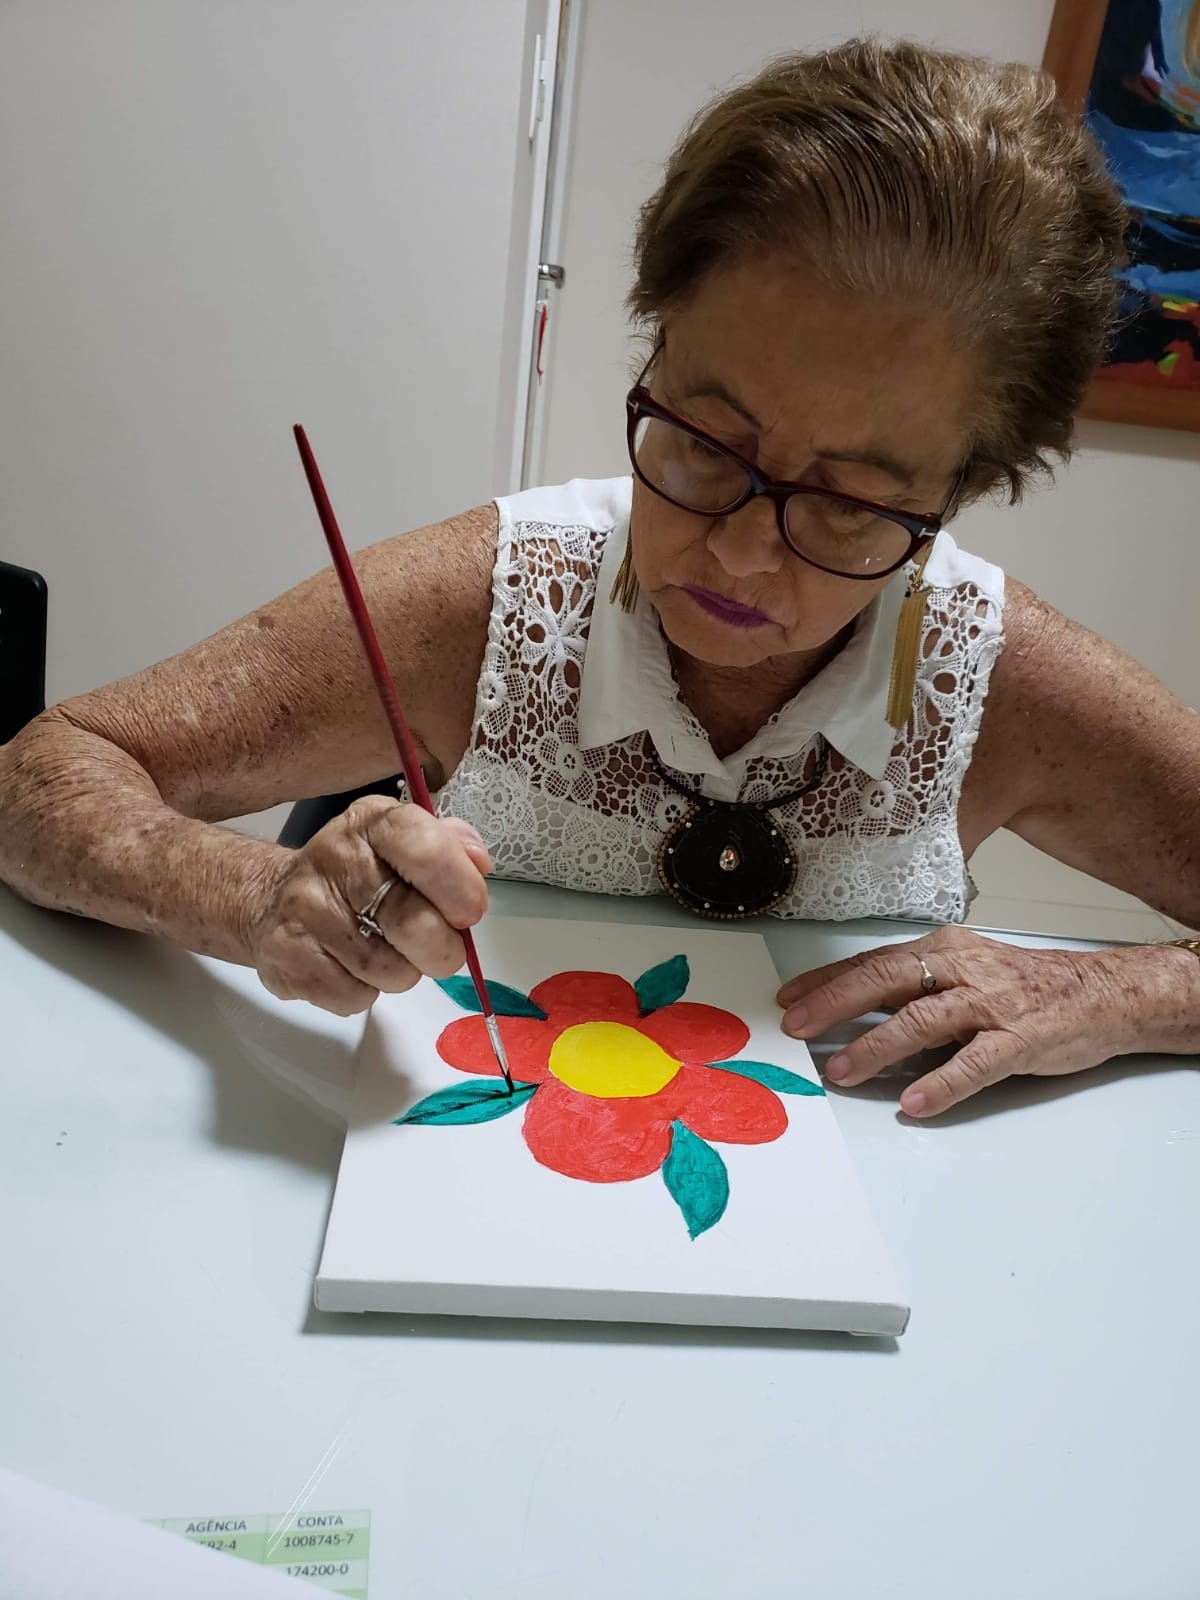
[
  {"x": 466, "y": 1102},
  {"x": 697, "y": 1180},
  {"x": 777, "y": 1078},
  {"x": 506, "y": 1002},
  {"x": 662, "y": 985}
]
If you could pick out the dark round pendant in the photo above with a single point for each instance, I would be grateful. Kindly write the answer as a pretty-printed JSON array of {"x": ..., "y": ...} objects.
[{"x": 727, "y": 862}]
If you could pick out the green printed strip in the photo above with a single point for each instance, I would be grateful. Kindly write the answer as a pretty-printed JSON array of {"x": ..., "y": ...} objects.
[
  {"x": 317, "y": 1544},
  {"x": 248, "y": 1546},
  {"x": 293, "y": 1519},
  {"x": 328, "y": 1550},
  {"x": 227, "y": 1527}
]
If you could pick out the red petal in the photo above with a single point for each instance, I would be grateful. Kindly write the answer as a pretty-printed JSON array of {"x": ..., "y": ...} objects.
[
  {"x": 571, "y": 997},
  {"x": 696, "y": 1034},
  {"x": 601, "y": 1141},
  {"x": 465, "y": 1044},
  {"x": 726, "y": 1107}
]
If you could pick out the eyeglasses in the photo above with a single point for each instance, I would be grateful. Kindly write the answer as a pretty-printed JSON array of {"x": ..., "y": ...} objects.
[{"x": 836, "y": 532}]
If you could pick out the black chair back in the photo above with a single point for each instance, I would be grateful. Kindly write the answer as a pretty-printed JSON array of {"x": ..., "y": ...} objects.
[
  {"x": 23, "y": 607},
  {"x": 310, "y": 816}
]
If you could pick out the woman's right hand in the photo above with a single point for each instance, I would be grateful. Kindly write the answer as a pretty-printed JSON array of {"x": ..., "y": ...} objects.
[{"x": 306, "y": 943}]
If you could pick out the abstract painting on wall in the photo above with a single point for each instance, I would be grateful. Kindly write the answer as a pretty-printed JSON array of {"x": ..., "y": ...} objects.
[
  {"x": 666, "y": 1154},
  {"x": 1132, "y": 70}
]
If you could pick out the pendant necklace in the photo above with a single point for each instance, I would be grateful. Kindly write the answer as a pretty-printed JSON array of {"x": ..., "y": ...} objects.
[{"x": 729, "y": 858}]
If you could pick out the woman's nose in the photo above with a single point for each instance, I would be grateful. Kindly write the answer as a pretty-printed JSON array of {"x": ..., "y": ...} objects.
[{"x": 748, "y": 542}]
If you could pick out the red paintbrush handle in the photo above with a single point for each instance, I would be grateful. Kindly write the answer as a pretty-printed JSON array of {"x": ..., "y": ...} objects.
[
  {"x": 476, "y": 971},
  {"x": 407, "y": 750},
  {"x": 409, "y": 760}
]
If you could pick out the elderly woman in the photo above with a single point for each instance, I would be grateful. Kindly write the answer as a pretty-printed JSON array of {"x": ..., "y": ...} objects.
[{"x": 757, "y": 673}]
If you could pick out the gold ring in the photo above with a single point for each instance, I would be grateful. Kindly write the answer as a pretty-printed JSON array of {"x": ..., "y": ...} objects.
[{"x": 928, "y": 981}]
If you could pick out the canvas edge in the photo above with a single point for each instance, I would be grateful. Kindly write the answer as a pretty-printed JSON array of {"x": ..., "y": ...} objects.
[{"x": 537, "y": 1303}]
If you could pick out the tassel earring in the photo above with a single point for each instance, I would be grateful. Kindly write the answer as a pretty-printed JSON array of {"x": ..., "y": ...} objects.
[
  {"x": 910, "y": 628},
  {"x": 624, "y": 592}
]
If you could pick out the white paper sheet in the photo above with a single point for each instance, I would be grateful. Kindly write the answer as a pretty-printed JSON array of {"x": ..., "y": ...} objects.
[{"x": 55, "y": 1547}]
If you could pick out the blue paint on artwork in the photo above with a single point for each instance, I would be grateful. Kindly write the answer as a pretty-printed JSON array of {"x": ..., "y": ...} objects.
[
  {"x": 466, "y": 1103},
  {"x": 506, "y": 1002},
  {"x": 771, "y": 1077},
  {"x": 1146, "y": 277},
  {"x": 1142, "y": 103},
  {"x": 696, "y": 1179},
  {"x": 662, "y": 985},
  {"x": 1158, "y": 169}
]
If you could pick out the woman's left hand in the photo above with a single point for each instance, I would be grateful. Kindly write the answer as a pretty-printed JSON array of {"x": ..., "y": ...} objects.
[{"x": 1011, "y": 1010}]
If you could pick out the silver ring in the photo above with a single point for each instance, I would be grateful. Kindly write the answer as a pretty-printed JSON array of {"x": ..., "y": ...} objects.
[
  {"x": 928, "y": 981},
  {"x": 367, "y": 924}
]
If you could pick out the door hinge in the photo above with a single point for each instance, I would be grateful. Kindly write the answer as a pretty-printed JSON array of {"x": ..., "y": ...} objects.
[{"x": 537, "y": 94}]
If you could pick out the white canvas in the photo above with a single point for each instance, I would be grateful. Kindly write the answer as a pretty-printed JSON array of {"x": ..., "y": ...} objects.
[{"x": 464, "y": 1219}]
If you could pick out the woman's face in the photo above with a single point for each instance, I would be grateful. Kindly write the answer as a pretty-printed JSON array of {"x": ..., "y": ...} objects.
[{"x": 861, "y": 397}]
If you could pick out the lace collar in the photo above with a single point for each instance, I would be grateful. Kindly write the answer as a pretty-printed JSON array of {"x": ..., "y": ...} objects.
[{"x": 628, "y": 687}]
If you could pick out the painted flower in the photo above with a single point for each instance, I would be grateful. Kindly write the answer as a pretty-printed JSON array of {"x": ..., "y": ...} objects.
[{"x": 617, "y": 1080}]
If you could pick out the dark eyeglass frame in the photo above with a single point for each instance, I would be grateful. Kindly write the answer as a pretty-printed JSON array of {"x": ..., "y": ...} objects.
[{"x": 921, "y": 527}]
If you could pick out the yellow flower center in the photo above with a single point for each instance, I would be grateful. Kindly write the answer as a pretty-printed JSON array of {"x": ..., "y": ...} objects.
[{"x": 611, "y": 1061}]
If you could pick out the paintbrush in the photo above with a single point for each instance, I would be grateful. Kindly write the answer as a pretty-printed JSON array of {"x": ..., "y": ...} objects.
[{"x": 407, "y": 750}]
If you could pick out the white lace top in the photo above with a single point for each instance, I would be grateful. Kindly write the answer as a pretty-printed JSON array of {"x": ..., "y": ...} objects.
[{"x": 560, "y": 780}]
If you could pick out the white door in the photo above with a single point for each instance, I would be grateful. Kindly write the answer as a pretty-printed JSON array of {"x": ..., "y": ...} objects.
[
  {"x": 536, "y": 277},
  {"x": 524, "y": 316}
]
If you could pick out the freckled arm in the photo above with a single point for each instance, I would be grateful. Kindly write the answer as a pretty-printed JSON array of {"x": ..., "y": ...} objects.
[
  {"x": 1087, "y": 756},
  {"x": 109, "y": 803}
]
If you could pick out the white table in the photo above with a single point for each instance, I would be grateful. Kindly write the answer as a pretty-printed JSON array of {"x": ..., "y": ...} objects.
[{"x": 163, "y": 1200}]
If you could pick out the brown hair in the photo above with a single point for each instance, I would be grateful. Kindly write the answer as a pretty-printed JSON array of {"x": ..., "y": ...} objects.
[{"x": 903, "y": 171}]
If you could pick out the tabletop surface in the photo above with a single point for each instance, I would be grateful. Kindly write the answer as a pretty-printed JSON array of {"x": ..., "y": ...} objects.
[{"x": 166, "y": 1171}]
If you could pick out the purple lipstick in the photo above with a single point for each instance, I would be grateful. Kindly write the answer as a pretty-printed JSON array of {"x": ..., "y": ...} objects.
[{"x": 725, "y": 609}]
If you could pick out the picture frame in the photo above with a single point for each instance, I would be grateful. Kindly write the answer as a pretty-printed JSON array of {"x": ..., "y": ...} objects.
[{"x": 1145, "y": 119}]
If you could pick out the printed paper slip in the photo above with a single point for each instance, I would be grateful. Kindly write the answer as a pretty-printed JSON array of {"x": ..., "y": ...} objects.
[{"x": 327, "y": 1548}]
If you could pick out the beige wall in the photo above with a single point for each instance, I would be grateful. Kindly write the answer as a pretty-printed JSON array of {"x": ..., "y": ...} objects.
[
  {"x": 217, "y": 218},
  {"x": 1116, "y": 544}
]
